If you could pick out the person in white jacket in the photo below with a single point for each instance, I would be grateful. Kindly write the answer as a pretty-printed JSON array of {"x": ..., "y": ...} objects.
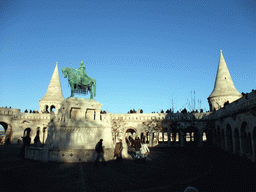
[{"x": 143, "y": 150}]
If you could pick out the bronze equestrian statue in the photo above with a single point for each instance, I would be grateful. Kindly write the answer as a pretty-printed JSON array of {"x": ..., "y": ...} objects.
[{"x": 80, "y": 81}]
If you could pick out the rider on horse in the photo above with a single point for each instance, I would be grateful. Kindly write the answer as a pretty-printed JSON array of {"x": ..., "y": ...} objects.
[{"x": 81, "y": 73}]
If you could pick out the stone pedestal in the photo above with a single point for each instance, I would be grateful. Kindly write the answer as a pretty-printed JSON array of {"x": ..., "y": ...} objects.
[{"x": 74, "y": 132}]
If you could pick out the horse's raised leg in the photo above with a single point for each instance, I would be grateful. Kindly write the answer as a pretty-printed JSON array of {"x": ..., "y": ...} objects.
[{"x": 72, "y": 90}]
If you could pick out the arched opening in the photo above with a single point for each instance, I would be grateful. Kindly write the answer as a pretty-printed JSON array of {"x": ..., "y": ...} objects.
[
  {"x": 52, "y": 108},
  {"x": 130, "y": 133},
  {"x": 7, "y": 136},
  {"x": 204, "y": 137},
  {"x": 155, "y": 137},
  {"x": 26, "y": 137},
  {"x": 46, "y": 108},
  {"x": 244, "y": 139},
  {"x": 27, "y": 132},
  {"x": 177, "y": 137},
  {"x": 130, "y": 136},
  {"x": 3, "y": 129},
  {"x": 144, "y": 136},
  {"x": 192, "y": 136},
  {"x": 229, "y": 138},
  {"x": 188, "y": 137},
  {"x": 237, "y": 141}
]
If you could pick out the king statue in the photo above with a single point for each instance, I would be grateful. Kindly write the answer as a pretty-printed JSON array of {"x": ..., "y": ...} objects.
[
  {"x": 80, "y": 82},
  {"x": 81, "y": 72}
]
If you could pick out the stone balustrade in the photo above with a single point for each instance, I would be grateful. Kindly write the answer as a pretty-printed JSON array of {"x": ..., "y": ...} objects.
[
  {"x": 8, "y": 111},
  {"x": 158, "y": 116},
  {"x": 248, "y": 100}
]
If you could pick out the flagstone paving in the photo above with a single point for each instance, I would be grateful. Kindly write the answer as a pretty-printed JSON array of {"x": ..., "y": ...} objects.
[{"x": 168, "y": 169}]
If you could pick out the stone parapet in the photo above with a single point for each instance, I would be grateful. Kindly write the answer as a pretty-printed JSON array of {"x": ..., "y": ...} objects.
[
  {"x": 67, "y": 155},
  {"x": 247, "y": 101}
]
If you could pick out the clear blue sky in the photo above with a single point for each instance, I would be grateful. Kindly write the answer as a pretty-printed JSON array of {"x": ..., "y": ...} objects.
[{"x": 142, "y": 53}]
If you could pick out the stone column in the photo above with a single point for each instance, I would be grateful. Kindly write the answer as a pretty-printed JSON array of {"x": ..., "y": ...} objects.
[
  {"x": 97, "y": 115},
  {"x": 163, "y": 137},
  {"x": 139, "y": 135},
  {"x": 182, "y": 141}
]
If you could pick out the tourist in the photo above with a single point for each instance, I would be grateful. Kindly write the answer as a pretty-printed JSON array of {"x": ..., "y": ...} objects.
[
  {"x": 144, "y": 150},
  {"x": 26, "y": 111},
  {"x": 137, "y": 147},
  {"x": 100, "y": 153},
  {"x": 118, "y": 150}
]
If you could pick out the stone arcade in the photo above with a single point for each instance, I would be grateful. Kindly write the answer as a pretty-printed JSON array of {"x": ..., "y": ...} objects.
[{"x": 77, "y": 124}]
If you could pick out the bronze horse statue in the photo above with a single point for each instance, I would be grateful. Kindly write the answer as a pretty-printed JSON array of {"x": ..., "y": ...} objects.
[{"x": 75, "y": 82}]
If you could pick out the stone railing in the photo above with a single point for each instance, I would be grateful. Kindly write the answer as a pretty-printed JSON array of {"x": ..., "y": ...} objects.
[
  {"x": 8, "y": 111},
  {"x": 32, "y": 116},
  {"x": 157, "y": 116}
]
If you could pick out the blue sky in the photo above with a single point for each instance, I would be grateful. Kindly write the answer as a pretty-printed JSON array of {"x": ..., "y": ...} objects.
[{"x": 142, "y": 53}]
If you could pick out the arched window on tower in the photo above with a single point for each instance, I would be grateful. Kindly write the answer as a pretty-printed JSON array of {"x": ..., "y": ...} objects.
[
  {"x": 52, "y": 108},
  {"x": 204, "y": 136}
]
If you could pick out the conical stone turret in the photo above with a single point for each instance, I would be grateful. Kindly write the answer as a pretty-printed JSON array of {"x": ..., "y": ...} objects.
[
  {"x": 53, "y": 96},
  {"x": 224, "y": 88}
]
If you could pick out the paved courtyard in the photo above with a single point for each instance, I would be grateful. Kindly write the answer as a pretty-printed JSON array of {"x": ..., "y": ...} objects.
[{"x": 168, "y": 169}]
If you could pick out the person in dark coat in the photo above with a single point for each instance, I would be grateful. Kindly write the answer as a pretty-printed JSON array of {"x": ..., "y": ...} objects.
[
  {"x": 137, "y": 146},
  {"x": 100, "y": 153},
  {"x": 118, "y": 150}
]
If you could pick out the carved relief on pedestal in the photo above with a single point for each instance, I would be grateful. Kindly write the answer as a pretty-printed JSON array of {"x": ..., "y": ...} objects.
[
  {"x": 75, "y": 113},
  {"x": 90, "y": 114}
]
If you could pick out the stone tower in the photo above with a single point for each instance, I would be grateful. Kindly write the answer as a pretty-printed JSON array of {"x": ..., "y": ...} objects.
[
  {"x": 53, "y": 96},
  {"x": 224, "y": 89}
]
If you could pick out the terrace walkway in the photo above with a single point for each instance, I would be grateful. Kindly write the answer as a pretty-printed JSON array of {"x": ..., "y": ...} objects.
[{"x": 168, "y": 169}]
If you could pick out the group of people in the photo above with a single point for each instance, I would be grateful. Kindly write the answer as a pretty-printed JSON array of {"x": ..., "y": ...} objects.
[
  {"x": 133, "y": 111},
  {"x": 34, "y": 111},
  {"x": 141, "y": 150}
]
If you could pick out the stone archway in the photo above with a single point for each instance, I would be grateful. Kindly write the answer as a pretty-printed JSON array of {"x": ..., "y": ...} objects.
[
  {"x": 131, "y": 132},
  {"x": 46, "y": 108},
  {"x": 52, "y": 108},
  {"x": 192, "y": 136},
  {"x": 4, "y": 138}
]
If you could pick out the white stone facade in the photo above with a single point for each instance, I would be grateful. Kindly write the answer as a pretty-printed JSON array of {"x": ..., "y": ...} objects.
[{"x": 78, "y": 123}]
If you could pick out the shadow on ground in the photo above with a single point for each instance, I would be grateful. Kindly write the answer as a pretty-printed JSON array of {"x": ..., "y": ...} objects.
[{"x": 168, "y": 169}]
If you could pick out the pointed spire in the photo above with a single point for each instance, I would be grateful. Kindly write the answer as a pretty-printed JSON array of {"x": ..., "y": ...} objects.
[
  {"x": 54, "y": 91},
  {"x": 224, "y": 85}
]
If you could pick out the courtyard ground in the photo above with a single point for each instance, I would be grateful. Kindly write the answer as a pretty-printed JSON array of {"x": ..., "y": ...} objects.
[{"x": 168, "y": 169}]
